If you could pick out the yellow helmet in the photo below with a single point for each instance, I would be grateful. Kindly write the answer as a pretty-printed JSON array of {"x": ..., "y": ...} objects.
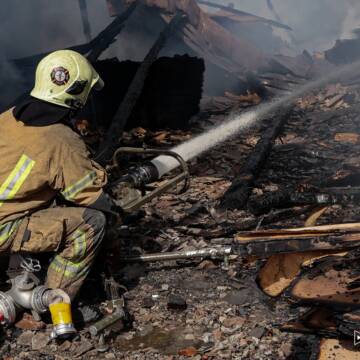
[{"x": 65, "y": 78}]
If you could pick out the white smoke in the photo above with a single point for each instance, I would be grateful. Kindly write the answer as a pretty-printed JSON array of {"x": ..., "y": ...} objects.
[
  {"x": 352, "y": 19},
  {"x": 38, "y": 26},
  {"x": 317, "y": 24},
  {"x": 35, "y": 26}
]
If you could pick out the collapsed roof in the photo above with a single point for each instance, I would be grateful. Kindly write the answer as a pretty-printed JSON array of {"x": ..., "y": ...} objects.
[
  {"x": 205, "y": 34},
  {"x": 224, "y": 39}
]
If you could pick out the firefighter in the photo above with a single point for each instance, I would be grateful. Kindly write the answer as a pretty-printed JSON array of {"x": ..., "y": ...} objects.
[{"x": 44, "y": 159}]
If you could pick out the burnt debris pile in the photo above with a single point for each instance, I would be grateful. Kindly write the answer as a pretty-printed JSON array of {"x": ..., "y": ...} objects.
[{"x": 260, "y": 257}]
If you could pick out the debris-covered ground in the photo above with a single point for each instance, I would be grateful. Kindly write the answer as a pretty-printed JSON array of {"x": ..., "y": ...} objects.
[
  {"x": 283, "y": 193},
  {"x": 210, "y": 309}
]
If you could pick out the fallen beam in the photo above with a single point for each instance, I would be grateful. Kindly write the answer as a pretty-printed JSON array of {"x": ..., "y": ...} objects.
[
  {"x": 112, "y": 137},
  {"x": 237, "y": 195},
  {"x": 243, "y": 13},
  {"x": 271, "y": 242},
  {"x": 289, "y": 198},
  {"x": 108, "y": 36},
  {"x": 85, "y": 19}
]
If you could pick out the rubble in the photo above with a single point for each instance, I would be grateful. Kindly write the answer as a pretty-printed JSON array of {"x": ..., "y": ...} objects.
[
  {"x": 176, "y": 302},
  {"x": 237, "y": 195},
  {"x": 344, "y": 51},
  {"x": 271, "y": 183}
]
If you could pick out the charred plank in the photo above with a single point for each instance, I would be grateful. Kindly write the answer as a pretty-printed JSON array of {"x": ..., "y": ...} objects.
[
  {"x": 243, "y": 13},
  {"x": 288, "y": 198},
  {"x": 237, "y": 195},
  {"x": 270, "y": 242}
]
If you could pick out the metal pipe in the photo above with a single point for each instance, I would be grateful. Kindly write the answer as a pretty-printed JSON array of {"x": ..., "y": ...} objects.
[
  {"x": 213, "y": 253},
  {"x": 107, "y": 321}
]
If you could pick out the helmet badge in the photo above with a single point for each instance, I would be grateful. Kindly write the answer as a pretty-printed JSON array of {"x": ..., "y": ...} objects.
[{"x": 60, "y": 76}]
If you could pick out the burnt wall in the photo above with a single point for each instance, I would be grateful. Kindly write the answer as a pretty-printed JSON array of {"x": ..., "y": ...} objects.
[{"x": 171, "y": 94}]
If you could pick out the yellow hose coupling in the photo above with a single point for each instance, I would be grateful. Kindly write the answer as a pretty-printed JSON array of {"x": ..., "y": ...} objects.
[{"x": 62, "y": 320}]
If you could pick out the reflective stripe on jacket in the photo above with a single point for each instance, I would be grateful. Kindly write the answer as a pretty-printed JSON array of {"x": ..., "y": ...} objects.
[
  {"x": 7, "y": 230},
  {"x": 39, "y": 163}
]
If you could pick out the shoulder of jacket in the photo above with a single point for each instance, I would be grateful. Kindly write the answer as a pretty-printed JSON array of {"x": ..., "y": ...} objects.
[
  {"x": 64, "y": 137},
  {"x": 7, "y": 114}
]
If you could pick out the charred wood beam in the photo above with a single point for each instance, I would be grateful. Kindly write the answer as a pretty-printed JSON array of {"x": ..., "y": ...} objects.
[
  {"x": 122, "y": 115},
  {"x": 243, "y": 13},
  {"x": 108, "y": 35},
  {"x": 237, "y": 195},
  {"x": 271, "y": 7},
  {"x": 228, "y": 230},
  {"x": 268, "y": 246},
  {"x": 85, "y": 19},
  {"x": 289, "y": 198},
  {"x": 270, "y": 242}
]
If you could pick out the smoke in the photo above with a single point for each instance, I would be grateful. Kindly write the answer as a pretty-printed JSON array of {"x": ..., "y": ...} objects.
[
  {"x": 317, "y": 24},
  {"x": 352, "y": 19},
  {"x": 36, "y": 26}
]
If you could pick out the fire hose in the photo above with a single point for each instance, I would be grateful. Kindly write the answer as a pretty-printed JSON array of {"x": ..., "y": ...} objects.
[{"x": 26, "y": 293}]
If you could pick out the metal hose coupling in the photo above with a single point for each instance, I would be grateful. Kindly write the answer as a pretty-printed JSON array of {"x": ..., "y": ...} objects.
[
  {"x": 23, "y": 295},
  {"x": 61, "y": 315},
  {"x": 140, "y": 176}
]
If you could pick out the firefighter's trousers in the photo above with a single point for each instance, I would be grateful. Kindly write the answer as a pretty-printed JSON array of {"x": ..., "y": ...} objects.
[{"x": 74, "y": 235}]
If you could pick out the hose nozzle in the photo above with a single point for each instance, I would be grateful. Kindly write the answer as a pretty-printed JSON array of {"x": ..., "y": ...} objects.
[{"x": 141, "y": 175}]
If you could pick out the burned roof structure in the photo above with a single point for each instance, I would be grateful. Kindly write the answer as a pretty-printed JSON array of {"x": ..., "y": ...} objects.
[{"x": 206, "y": 35}]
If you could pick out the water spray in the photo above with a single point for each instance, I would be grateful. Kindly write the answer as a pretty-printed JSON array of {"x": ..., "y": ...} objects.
[
  {"x": 238, "y": 123},
  {"x": 133, "y": 187}
]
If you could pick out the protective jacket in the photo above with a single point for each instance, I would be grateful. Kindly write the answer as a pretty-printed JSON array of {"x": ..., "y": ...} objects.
[{"x": 40, "y": 163}]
